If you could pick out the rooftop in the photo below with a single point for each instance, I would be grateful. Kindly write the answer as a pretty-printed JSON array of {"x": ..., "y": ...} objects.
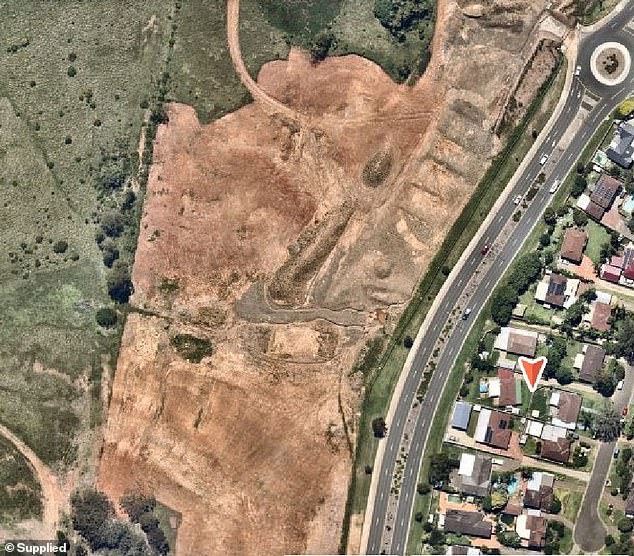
[
  {"x": 605, "y": 191},
  {"x": 467, "y": 523},
  {"x": 592, "y": 363},
  {"x": 600, "y": 316},
  {"x": 575, "y": 240},
  {"x": 558, "y": 450}
]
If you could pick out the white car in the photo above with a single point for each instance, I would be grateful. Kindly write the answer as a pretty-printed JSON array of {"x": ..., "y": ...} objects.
[
  {"x": 517, "y": 200},
  {"x": 555, "y": 186},
  {"x": 619, "y": 386},
  {"x": 466, "y": 314},
  {"x": 543, "y": 159},
  {"x": 578, "y": 71}
]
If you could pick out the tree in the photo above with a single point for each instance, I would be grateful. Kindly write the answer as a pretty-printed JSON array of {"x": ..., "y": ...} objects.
[
  {"x": 408, "y": 342},
  {"x": 441, "y": 467},
  {"x": 556, "y": 354},
  {"x": 499, "y": 498},
  {"x": 625, "y": 525},
  {"x": 90, "y": 510},
  {"x": 579, "y": 185},
  {"x": 502, "y": 304},
  {"x": 564, "y": 375},
  {"x": 60, "y": 247},
  {"x": 575, "y": 313},
  {"x": 379, "y": 428},
  {"x": 119, "y": 283},
  {"x": 607, "y": 423},
  {"x": 423, "y": 488},
  {"x": 624, "y": 345},
  {"x": 321, "y": 46},
  {"x": 106, "y": 317},
  {"x": 555, "y": 506},
  {"x": 135, "y": 504},
  {"x": 112, "y": 224},
  {"x": 604, "y": 384},
  {"x": 110, "y": 252},
  {"x": 436, "y": 538},
  {"x": 71, "y": 71},
  {"x": 579, "y": 218},
  {"x": 550, "y": 217},
  {"x": 544, "y": 240}
]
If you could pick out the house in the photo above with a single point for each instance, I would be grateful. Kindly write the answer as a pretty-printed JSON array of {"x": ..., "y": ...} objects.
[
  {"x": 539, "y": 491},
  {"x": 461, "y": 416},
  {"x": 621, "y": 149},
  {"x": 473, "y": 477},
  {"x": 512, "y": 510},
  {"x": 467, "y": 523},
  {"x": 628, "y": 262},
  {"x": 493, "y": 428},
  {"x": 510, "y": 388},
  {"x": 593, "y": 359},
  {"x": 605, "y": 191},
  {"x": 534, "y": 428},
  {"x": 600, "y": 316},
  {"x": 610, "y": 273},
  {"x": 457, "y": 550},
  {"x": 567, "y": 407},
  {"x": 556, "y": 290},
  {"x": 531, "y": 528},
  {"x": 556, "y": 450},
  {"x": 517, "y": 341},
  {"x": 575, "y": 240}
]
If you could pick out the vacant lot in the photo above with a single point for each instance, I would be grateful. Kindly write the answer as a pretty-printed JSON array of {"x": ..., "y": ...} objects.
[
  {"x": 281, "y": 247},
  {"x": 73, "y": 78}
]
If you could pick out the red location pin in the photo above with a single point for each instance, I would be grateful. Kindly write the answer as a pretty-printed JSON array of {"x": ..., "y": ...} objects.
[{"x": 532, "y": 370}]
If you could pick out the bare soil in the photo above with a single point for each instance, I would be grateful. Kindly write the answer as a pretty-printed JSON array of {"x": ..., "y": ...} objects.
[{"x": 260, "y": 234}]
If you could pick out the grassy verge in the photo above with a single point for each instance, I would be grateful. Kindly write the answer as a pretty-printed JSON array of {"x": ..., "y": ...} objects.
[
  {"x": 380, "y": 383},
  {"x": 597, "y": 11},
  {"x": 452, "y": 387}
]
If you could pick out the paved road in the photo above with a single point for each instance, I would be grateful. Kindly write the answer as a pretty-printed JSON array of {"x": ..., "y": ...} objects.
[
  {"x": 589, "y": 531},
  {"x": 389, "y": 529}
]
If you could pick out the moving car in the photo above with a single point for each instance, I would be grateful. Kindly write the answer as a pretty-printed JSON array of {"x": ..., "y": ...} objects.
[
  {"x": 555, "y": 186},
  {"x": 517, "y": 200},
  {"x": 466, "y": 314},
  {"x": 485, "y": 249},
  {"x": 543, "y": 159},
  {"x": 619, "y": 385},
  {"x": 578, "y": 71}
]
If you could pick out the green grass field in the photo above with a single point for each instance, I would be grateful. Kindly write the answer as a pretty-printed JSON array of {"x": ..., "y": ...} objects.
[
  {"x": 74, "y": 80},
  {"x": 597, "y": 236}
]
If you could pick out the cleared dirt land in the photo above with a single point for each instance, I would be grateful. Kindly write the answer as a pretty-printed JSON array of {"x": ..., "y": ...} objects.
[{"x": 271, "y": 248}]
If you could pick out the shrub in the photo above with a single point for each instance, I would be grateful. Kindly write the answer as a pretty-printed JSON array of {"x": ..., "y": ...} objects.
[
  {"x": 408, "y": 342},
  {"x": 191, "y": 348},
  {"x": 112, "y": 224},
  {"x": 60, "y": 247},
  {"x": 119, "y": 283},
  {"x": 423, "y": 488},
  {"x": 379, "y": 428},
  {"x": 625, "y": 525},
  {"x": 106, "y": 317},
  {"x": 72, "y": 72}
]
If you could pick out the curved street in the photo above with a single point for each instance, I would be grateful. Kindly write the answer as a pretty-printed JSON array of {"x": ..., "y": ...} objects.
[{"x": 588, "y": 103}]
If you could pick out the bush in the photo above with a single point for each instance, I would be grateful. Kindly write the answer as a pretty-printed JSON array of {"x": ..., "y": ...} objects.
[
  {"x": 625, "y": 525},
  {"x": 106, "y": 317},
  {"x": 555, "y": 506},
  {"x": 321, "y": 46},
  {"x": 119, "y": 283},
  {"x": 419, "y": 517},
  {"x": 579, "y": 185},
  {"x": 423, "y": 488},
  {"x": 112, "y": 224},
  {"x": 71, "y": 71},
  {"x": 90, "y": 510},
  {"x": 579, "y": 218},
  {"x": 379, "y": 428},
  {"x": 408, "y": 342},
  {"x": 60, "y": 247}
]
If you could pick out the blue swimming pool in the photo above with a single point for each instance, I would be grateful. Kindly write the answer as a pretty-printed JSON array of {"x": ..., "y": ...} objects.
[
  {"x": 628, "y": 204},
  {"x": 513, "y": 485}
]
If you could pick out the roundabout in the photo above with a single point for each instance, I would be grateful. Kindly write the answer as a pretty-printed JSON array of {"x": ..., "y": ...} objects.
[{"x": 610, "y": 63}]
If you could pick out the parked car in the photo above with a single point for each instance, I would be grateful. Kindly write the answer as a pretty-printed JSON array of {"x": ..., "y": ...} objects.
[
  {"x": 619, "y": 385},
  {"x": 578, "y": 71},
  {"x": 616, "y": 453}
]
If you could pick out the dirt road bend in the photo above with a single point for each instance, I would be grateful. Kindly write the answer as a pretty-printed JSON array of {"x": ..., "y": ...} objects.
[
  {"x": 258, "y": 94},
  {"x": 52, "y": 498}
]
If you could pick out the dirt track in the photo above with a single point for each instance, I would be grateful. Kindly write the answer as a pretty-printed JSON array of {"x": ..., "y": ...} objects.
[{"x": 53, "y": 500}]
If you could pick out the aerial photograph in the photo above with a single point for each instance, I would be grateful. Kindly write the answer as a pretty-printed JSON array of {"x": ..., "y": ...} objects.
[{"x": 316, "y": 277}]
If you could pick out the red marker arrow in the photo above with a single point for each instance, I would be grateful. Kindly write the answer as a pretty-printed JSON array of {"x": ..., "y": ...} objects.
[{"x": 532, "y": 370}]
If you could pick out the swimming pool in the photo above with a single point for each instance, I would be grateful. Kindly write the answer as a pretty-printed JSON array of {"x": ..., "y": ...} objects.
[
  {"x": 512, "y": 486},
  {"x": 628, "y": 204}
]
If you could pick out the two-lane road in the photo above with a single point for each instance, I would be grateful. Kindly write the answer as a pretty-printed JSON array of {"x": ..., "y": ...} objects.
[{"x": 389, "y": 529}]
